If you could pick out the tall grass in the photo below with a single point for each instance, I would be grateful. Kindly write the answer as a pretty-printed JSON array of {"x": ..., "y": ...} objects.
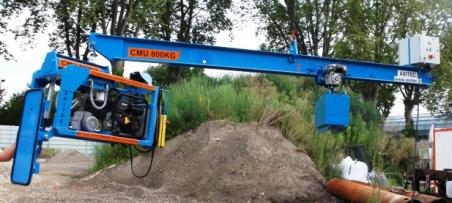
[
  {"x": 200, "y": 99},
  {"x": 284, "y": 102},
  {"x": 106, "y": 155}
]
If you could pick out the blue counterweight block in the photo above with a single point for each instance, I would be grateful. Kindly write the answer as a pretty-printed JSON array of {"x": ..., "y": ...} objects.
[{"x": 332, "y": 111}]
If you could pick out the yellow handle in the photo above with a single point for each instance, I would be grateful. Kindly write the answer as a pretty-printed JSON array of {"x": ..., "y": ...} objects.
[{"x": 162, "y": 131}]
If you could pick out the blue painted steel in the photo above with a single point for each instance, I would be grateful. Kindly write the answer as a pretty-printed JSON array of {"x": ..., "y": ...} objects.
[
  {"x": 332, "y": 111},
  {"x": 205, "y": 56},
  {"x": 153, "y": 114},
  {"x": 27, "y": 146},
  {"x": 72, "y": 77},
  {"x": 50, "y": 68}
]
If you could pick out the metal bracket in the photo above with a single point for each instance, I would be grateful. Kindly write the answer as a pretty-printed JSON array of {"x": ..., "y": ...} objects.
[{"x": 332, "y": 76}]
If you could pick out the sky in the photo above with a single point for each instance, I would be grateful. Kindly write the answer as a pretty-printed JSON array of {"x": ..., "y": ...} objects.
[{"x": 18, "y": 73}]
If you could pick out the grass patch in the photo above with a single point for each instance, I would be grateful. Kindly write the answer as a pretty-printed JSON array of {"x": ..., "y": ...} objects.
[
  {"x": 285, "y": 102},
  {"x": 106, "y": 155}
]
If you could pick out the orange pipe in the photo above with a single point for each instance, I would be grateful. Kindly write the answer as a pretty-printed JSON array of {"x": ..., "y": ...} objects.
[{"x": 359, "y": 192}]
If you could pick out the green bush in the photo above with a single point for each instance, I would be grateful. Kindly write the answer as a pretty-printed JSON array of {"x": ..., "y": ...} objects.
[
  {"x": 188, "y": 105},
  {"x": 106, "y": 155},
  {"x": 284, "y": 102},
  {"x": 200, "y": 99}
]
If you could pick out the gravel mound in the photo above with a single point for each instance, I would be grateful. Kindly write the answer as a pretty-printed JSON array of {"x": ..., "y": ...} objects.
[
  {"x": 222, "y": 161},
  {"x": 69, "y": 156},
  {"x": 51, "y": 184}
]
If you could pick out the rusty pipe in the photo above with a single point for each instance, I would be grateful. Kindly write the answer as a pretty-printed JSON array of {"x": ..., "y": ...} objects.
[
  {"x": 424, "y": 198},
  {"x": 360, "y": 192}
]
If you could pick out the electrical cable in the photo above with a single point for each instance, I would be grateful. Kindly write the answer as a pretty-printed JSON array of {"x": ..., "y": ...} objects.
[{"x": 152, "y": 150}]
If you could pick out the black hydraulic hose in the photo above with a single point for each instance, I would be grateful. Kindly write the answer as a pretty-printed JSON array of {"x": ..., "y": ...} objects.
[
  {"x": 156, "y": 133},
  {"x": 150, "y": 164}
]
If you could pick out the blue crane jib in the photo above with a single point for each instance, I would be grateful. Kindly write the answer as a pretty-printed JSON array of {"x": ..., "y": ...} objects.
[{"x": 81, "y": 100}]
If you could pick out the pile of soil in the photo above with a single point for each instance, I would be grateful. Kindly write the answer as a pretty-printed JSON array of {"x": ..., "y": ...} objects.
[
  {"x": 218, "y": 162},
  {"x": 222, "y": 161},
  {"x": 70, "y": 156},
  {"x": 70, "y": 163},
  {"x": 51, "y": 184}
]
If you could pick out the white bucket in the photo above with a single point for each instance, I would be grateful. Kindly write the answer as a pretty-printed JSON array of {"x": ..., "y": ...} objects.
[{"x": 354, "y": 170}]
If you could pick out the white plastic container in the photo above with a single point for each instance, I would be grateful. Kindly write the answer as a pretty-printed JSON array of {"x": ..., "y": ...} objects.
[{"x": 354, "y": 170}]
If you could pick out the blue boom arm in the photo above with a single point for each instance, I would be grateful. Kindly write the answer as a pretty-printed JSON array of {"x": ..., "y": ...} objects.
[
  {"x": 205, "y": 56},
  {"x": 331, "y": 110}
]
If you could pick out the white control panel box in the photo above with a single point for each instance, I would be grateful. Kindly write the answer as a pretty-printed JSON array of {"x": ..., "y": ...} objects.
[{"x": 419, "y": 51}]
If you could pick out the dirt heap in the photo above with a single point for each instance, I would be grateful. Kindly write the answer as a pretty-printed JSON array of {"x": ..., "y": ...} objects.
[
  {"x": 50, "y": 185},
  {"x": 68, "y": 162},
  {"x": 69, "y": 156},
  {"x": 222, "y": 161}
]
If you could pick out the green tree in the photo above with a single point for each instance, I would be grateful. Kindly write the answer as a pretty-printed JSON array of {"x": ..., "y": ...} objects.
[
  {"x": 161, "y": 77},
  {"x": 316, "y": 24},
  {"x": 369, "y": 35},
  {"x": 432, "y": 18},
  {"x": 11, "y": 110},
  {"x": 34, "y": 22},
  {"x": 76, "y": 18},
  {"x": 347, "y": 29},
  {"x": 438, "y": 99},
  {"x": 192, "y": 21},
  {"x": 409, "y": 15},
  {"x": 187, "y": 21}
]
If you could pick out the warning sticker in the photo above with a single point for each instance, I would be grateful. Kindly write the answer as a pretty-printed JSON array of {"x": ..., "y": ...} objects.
[
  {"x": 153, "y": 54},
  {"x": 407, "y": 76},
  {"x": 62, "y": 63}
]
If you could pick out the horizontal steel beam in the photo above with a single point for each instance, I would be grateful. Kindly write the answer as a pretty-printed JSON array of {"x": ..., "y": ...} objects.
[{"x": 116, "y": 48}]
